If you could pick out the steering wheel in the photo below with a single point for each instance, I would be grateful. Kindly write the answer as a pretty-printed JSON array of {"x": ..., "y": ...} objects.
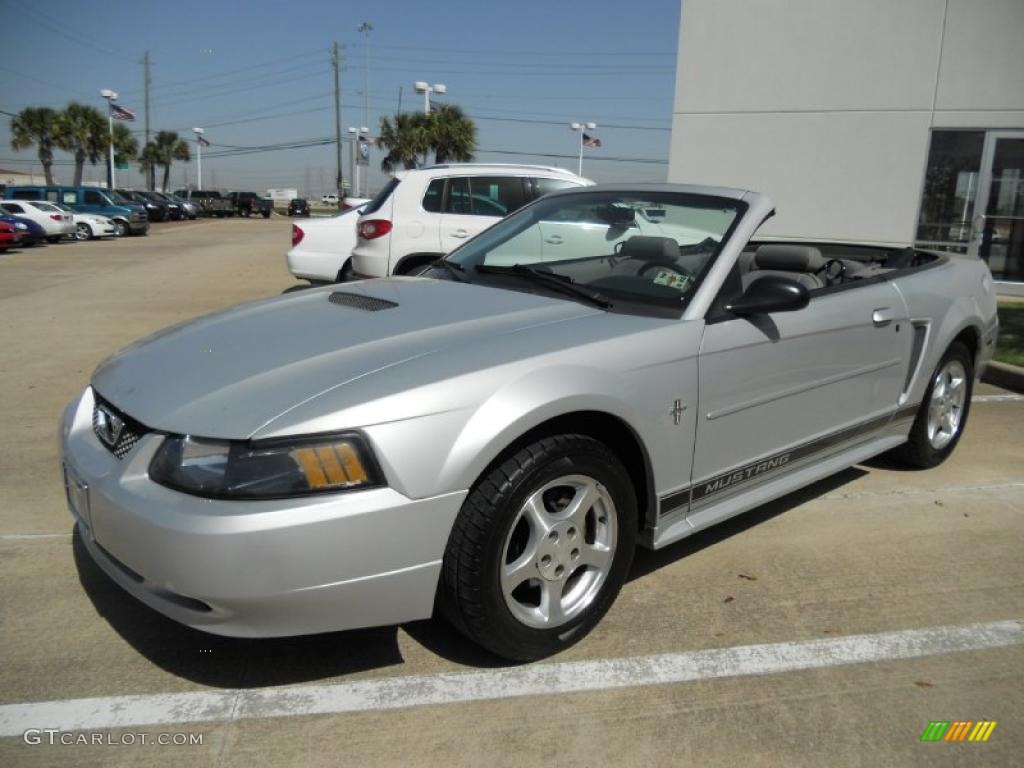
[{"x": 834, "y": 271}]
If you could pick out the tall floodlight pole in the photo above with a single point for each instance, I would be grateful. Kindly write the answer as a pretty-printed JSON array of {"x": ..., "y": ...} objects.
[
  {"x": 581, "y": 127},
  {"x": 199, "y": 156},
  {"x": 366, "y": 28},
  {"x": 426, "y": 89},
  {"x": 111, "y": 97},
  {"x": 336, "y": 63},
  {"x": 151, "y": 173}
]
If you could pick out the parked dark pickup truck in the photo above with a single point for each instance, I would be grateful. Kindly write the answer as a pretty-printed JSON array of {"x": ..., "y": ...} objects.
[
  {"x": 248, "y": 203},
  {"x": 210, "y": 201}
]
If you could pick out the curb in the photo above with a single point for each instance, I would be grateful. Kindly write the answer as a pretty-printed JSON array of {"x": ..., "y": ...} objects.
[{"x": 1004, "y": 375}]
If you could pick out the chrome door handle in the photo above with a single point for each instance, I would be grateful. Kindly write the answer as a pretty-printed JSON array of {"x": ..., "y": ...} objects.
[
  {"x": 460, "y": 233},
  {"x": 882, "y": 317},
  {"x": 554, "y": 240}
]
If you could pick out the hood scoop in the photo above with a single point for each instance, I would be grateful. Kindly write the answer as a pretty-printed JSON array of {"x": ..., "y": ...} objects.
[{"x": 358, "y": 301}]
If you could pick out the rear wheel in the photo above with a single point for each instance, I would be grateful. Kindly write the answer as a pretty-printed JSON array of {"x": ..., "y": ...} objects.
[
  {"x": 53, "y": 239},
  {"x": 943, "y": 413},
  {"x": 345, "y": 273},
  {"x": 541, "y": 547},
  {"x": 82, "y": 231}
]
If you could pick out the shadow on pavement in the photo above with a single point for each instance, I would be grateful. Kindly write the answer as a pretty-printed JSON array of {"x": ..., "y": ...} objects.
[
  {"x": 244, "y": 663},
  {"x": 227, "y": 662},
  {"x": 646, "y": 561}
]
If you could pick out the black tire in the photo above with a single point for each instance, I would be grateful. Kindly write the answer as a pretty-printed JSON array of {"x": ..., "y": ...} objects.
[
  {"x": 53, "y": 239},
  {"x": 345, "y": 273},
  {"x": 120, "y": 228},
  {"x": 470, "y": 593},
  {"x": 266, "y": 214},
  {"x": 919, "y": 451},
  {"x": 246, "y": 213}
]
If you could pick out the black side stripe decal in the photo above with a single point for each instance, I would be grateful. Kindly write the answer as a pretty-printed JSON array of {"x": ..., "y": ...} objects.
[{"x": 758, "y": 469}]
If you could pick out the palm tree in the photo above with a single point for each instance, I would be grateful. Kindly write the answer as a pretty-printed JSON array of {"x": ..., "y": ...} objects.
[
  {"x": 406, "y": 138},
  {"x": 126, "y": 146},
  {"x": 36, "y": 126},
  {"x": 82, "y": 131},
  {"x": 164, "y": 150},
  {"x": 452, "y": 134}
]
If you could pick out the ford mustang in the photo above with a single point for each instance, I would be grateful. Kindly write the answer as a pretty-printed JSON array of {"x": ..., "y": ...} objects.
[{"x": 609, "y": 367}]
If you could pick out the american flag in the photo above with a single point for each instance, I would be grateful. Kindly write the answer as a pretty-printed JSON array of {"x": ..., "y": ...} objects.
[
  {"x": 203, "y": 142},
  {"x": 591, "y": 141},
  {"x": 121, "y": 113}
]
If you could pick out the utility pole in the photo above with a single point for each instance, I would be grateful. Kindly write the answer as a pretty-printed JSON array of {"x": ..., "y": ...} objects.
[
  {"x": 151, "y": 172},
  {"x": 336, "y": 62}
]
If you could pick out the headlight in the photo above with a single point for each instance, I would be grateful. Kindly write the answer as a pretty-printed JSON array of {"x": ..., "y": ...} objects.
[{"x": 265, "y": 470}]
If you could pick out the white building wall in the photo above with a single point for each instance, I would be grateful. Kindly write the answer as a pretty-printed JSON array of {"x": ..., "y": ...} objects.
[{"x": 826, "y": 105}]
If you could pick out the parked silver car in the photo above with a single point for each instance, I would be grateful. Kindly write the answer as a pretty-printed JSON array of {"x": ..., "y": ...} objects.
[{"x": 608, "y": 366}]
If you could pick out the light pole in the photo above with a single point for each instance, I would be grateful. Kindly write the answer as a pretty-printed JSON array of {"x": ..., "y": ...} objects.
[
  {"x": 581, "y": 127},
  {"x": 357, "y": 135},
  {"x": 366, "y": 28},
  {"x": 199, "y": 156},
  {"x": 111, "y": 97},
  {"x": 426, "y": 90}
]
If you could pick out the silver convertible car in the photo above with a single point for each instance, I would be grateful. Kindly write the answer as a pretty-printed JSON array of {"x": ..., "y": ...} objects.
[{"x": 608, "y": 367}]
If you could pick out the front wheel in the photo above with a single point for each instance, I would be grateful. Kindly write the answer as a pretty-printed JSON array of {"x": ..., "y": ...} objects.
[
  {"x": 120, "y": 228},
  {"x": 82, "y": 232},
  {"x": 541, "y": 548},
  {"x": 943, "y": 413}
]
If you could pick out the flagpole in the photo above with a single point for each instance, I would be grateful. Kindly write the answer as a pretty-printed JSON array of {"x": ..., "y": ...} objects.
[
  {"x": 111, "y": 97},
  {"x": 579, "y": 169}
]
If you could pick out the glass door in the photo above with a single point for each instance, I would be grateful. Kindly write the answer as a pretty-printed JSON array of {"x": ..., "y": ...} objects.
[{"x": 997, "y": 229}]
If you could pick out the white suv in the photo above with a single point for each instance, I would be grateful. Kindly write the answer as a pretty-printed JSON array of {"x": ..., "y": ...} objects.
[{"x": 422, "y": 214}]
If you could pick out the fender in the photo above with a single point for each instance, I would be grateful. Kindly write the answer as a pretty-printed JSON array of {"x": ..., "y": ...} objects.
[{"x": 525, "y": 403}]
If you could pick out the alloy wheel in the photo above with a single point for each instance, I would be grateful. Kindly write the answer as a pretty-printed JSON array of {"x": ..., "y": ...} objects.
[
  {"x": 946, "y": 406},
  {"x": 559, "y": 551}
]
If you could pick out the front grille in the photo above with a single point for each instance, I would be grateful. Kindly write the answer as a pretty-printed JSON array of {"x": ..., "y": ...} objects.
[
  {"x": 358, "y": 301},
  {"x": 130, "y": 433}
]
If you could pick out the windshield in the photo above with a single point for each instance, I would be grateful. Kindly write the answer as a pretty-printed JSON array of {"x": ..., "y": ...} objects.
[
  {"x": 630, "y": 249},
  {"x": 117, "y": 197}
]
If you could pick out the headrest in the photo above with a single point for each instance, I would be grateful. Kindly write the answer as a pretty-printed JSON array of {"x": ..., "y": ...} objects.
[
  {"x": 789, "y": 258},
  {"x": 648, "y": 247}
]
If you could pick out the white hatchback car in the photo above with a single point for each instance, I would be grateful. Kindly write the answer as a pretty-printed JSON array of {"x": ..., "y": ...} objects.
[
  {"x": 424, "y": 213},
  {"x": 56, "y": 222},
  {"x": 321, "y": 247}
]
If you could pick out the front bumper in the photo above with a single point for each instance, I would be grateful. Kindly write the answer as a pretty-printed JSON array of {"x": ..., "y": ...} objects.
[
  {"x": 138, "y": 227},
  {"x": 253, "y": 568}
]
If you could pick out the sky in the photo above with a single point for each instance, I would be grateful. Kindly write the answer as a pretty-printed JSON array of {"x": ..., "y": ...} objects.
[{"x": 258, "y": 73}]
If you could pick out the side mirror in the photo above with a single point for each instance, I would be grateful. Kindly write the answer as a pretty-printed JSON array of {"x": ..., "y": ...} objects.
[{"x": 771, "y": 293}]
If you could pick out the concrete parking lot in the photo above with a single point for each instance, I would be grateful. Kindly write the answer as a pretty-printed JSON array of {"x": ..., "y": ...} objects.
[{"x": 878, "y": 600}]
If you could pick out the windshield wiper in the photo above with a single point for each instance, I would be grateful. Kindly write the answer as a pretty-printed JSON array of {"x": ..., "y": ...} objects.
[
  {"x": 561, "y": 283},
  {"x": 455, "y": 270}
]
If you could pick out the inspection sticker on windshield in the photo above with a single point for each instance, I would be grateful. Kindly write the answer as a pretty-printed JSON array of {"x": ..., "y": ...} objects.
[{"x": 671, "y": 279}]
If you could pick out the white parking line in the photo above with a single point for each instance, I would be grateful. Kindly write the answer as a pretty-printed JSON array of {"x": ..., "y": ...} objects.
[
  {"x": 533, "y": 680},
  {"x": 1009, "y": 398}
]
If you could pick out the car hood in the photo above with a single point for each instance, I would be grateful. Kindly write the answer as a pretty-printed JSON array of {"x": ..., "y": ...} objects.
[{"x": 228, "y": 374}]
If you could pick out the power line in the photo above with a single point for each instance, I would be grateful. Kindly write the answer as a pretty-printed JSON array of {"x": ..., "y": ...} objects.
[
  {"x": 53, "y": 26},
  {"x": 492, "y": 52}
]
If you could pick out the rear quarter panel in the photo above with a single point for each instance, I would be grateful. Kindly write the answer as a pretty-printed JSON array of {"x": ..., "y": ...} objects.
[{"x": 949, "y": 298}]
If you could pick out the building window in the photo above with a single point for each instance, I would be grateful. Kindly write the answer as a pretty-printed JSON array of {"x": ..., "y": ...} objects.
[{"x": 950, "y": 190}]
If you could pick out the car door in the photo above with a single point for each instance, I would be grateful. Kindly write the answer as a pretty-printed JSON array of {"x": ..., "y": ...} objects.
[
  {"x": 782, "y": 390},
  {"x": 474, "y": 203}
]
